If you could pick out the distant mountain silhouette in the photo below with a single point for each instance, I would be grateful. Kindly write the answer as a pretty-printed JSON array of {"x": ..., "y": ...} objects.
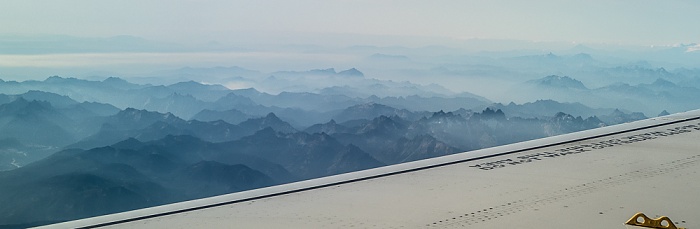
[
  {"x": 90, "y": 109},
  {"x": 232, "y": 116},
  {"x": 302, "y": 100},
  {"x": 351, "y": 73},
  {"x": 490, "y": 114},
  {"x": 302, "y": 109},
  {"x": 617, "y": 117},
  {"x": 387, "y": 57},
  {"x": 445, "y": 133},
  {"x": 146, "y": 126},
  {"x": 331, "y": 127},
  {"x": 125, "y": 124},
  {"x": 329, "y": 72},
  {"x": 200, "y": 91},
  {"x": 566, "y": 123},
  {"x": 555, "y": 81},
  {"x": 56, "y": 100},
  {"x": 386, "y": 138},
  {"x": 649, "y": 98},
  {"x": 372, "y": 110},
  {"x": 419, "y": 103},
  {"x": 547, "y": 108},
  {"x": 185, "y": 106},
  {"x": 271, "y": 121},
  {"x": 121, "y": 84}
]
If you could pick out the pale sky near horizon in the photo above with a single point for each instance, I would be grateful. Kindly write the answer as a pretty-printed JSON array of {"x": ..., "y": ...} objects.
[{"x": 635, "y": 22}]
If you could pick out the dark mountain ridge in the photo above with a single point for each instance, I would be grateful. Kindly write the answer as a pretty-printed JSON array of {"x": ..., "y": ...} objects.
[{"x": 147, "y": 125}]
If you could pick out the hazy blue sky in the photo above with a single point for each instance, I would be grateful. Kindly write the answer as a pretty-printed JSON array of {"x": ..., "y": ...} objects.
[{"x": 639, "y": 22}]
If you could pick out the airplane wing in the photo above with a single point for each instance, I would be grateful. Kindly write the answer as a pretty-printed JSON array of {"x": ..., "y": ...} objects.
[{"x": 592, "y": 179}]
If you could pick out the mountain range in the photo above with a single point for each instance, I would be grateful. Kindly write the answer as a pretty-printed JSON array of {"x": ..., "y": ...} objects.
[
  {"x": 84, "y": 148},
  {"x": 88, "y": 143},
  {"x": 187, "y": 99},
  {"x": 649, "y": 98}
]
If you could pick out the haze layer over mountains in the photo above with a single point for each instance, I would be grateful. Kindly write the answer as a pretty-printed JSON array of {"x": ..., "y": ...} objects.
[{"x": 90, "y": 143}]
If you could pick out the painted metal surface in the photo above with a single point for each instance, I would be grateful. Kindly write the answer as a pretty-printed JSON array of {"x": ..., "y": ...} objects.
[{"x": 589, "y": 179}]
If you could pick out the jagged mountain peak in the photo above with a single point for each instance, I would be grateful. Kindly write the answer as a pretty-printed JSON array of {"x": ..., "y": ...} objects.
[
  {"x": 617, "y": 112},
  {"x": 323, "y": 71},
  {"x": 351, "y": 72},
  {"x": 129, "y": 111},
  {"x": 331, "y": 127},
  {"x": 384, "y": 119},
  {"x": 618, "y": 116},
  {"x": 136, "y": 115},
  {"x": 272, "y": 116},
  {"x": 269, "y": 121},
  {"x": 114, "y": 79},
  {"x": 232, "y": 116},
  {"x": 22, "y": 105},
  {"x": 583, "y": 56},
  {"x": 176, "y": 95},
  {"x": 62, "y": 80},
  {"x": 231, "y": 100},
  {"x": 442, "y": 116},
  {"x": 663, "y": 83},
  {"x": 563, "y": 116},
  {"x": 490, "y": 113},
  {"x": 370, "y": 105},
  {"x": 369, "y": 110},
  {"x": 23, "y": 108},
  {"x": 53, "y": 79},
  {"x": 247, "y": 91},
  {"x": 441, "y": 113},
  {"x": 187, "y": 83},
  {"x": 56, "y": 100},
  {"x": 191, "y": 84},
  {"x": 557, "y": 81},
  {"x": 120, "y": 83},
  {"x": 383, "y": 125},
  {"x": 42, "y": 93}
]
